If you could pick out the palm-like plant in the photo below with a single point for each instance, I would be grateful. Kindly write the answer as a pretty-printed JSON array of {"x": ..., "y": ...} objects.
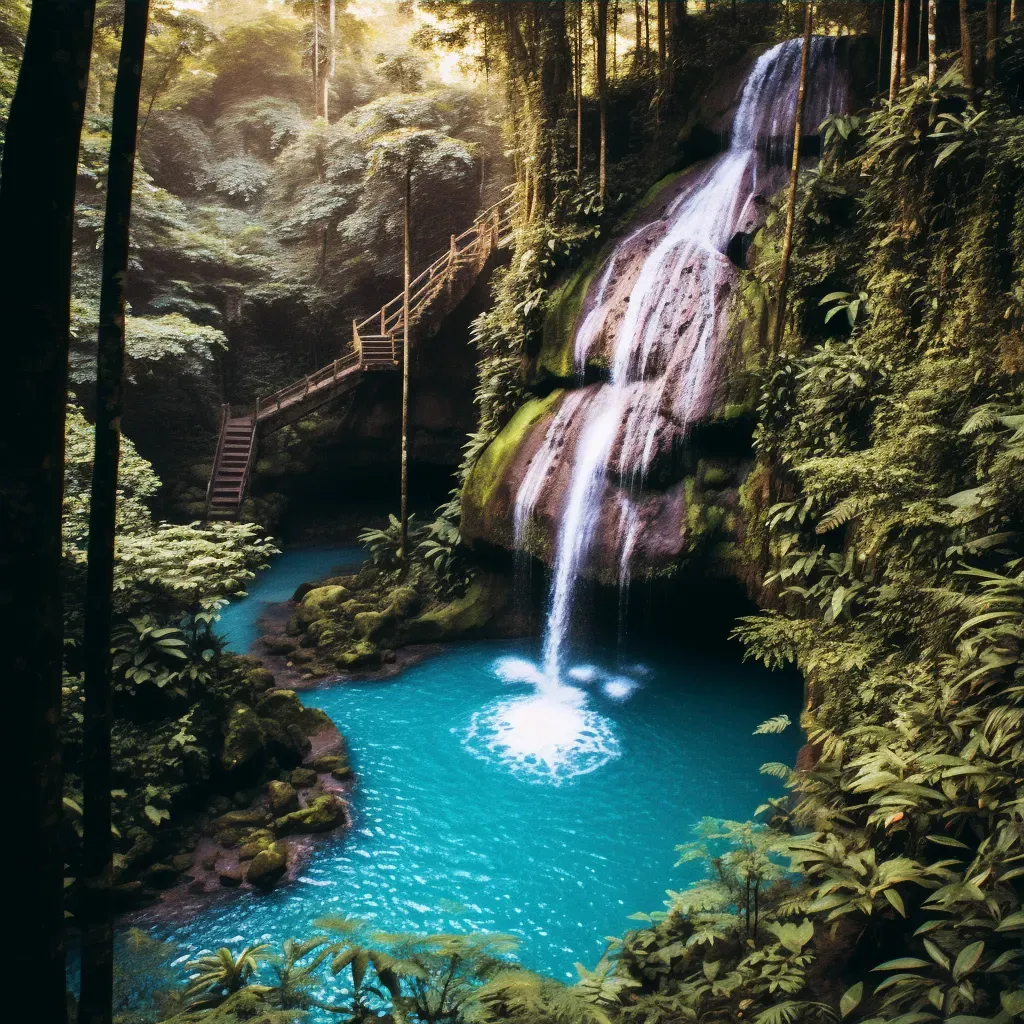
[{"x": 221, "y": 974}]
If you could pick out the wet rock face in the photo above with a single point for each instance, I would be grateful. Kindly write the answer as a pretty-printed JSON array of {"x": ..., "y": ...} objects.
[{"x": 605, "y": 480}]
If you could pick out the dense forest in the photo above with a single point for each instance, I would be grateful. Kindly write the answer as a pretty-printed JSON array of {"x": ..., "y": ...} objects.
[{"x": 406, "y": 222}]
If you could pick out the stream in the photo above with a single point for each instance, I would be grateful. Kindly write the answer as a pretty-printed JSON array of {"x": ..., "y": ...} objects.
[{"x": 487, "y": 801}]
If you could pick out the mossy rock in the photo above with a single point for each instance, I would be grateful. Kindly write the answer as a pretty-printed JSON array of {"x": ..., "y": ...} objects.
[
  {"x": 320, "y": 602},
  {"x": 282, "y": 798},
  {"x": 483, "y": 482},
  {"x": 278, "y": 644},
  {"x": 268, "y": 867},
  {"x": 557, "y": 356},
  {"x": 405, "y": 601},
  {"x": 473, "y": 614},
  {"x": 325, "y": 813},
  {"x": 351, "y": 608},
  {"x": 252, "y": 818},
  {"x": 244, "y": 738},
  {"x": 260, "y": 679},
  {"x": 360, "y": 655},
  {"x": 162, "y": 876},
  {"x": 373, "y": 625},
  {"x": 342, "y": 774},
  {"x": 303, "y": 778},
  {"x": 257, "y": 841},
  {"x": 284, "y": 707},
  {"x": 330, "y": 762}
]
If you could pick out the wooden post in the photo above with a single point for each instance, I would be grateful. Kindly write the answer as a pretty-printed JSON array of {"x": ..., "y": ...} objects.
[
  {"x": 383, "y": 321},
  {"x": 403, "y": 550},
  {"x": 794, "y": 174}
]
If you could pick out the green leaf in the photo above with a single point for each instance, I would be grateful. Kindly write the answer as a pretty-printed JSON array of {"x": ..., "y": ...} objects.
[
  {"x": 903, "y": 963},
  {"x": 967, "y": 960},
  {"x": 896, "y": 900},
  {"x": 851, "y": 998}
]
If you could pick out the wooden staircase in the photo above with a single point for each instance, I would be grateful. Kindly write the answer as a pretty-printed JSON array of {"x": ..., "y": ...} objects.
[
  {"x": 236, "y": 449},
  {"x": 377, "y": 345}
]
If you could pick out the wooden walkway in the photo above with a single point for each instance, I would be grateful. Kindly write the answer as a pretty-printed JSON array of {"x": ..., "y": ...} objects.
[{"x": 376, "y": 347}]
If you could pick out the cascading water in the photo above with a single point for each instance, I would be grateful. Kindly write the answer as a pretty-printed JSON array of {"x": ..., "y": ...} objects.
[{"x": 656, "y": 318}]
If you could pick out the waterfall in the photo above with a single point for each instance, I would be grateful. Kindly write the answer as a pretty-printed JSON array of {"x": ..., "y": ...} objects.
[{"x": 656, "y": 313}]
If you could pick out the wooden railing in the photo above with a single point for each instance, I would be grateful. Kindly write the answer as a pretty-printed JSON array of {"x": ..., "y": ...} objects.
[
  {"x": 470, "y": 249},
  {"x": 225, "y": 415},
  {"x": 270, "y": 404},
  {"x": 377, "y": 340}
]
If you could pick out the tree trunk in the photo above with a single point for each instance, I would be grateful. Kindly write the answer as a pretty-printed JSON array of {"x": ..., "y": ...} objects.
[
  {"x": 97, "y": 846},
  {"x": 662, "y": 50},
  {"x": 579, "y": 93},
  {"x": 794, "y": 174},
  {"x": 905, "y": 55},
  {"x": 1013, "y": 10},
  {"x": 897, "y": 50},
  {"x": 316, "y": 58},
  {"x": 966, "y": 51},
  {"x": 37, "y": 195},
  {"x": 933, "y": 59},
  {"x": 991, "y": 40},
  {"x": 638, "y": 46},
  {"x": 602, "y": 88},
  {"x": 919, "y": 38},
  {"x": 647, "y": 29},
  {"x": 331, "y": 56},
  {"x": 881, "y": 48},
  {"x": 404, "y": 550},
  {"x": 615, "y": 39}
]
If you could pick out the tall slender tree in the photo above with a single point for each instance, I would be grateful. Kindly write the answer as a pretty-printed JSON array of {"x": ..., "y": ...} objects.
[
  {"x": 332, "y": 55},
  {"x": 881, "y": 46},
  {"x": 602, "y": 91},
  {"x": 407, "y": 275},
  {"x": 991, "y": 40},
  {"x": 579, "y": 90},
  {"x": 966, "y": 49},
  {"x": 638, "y": 12},
  {"x": 897, "y": 50},
  {"x": 794, "y": 175},
  {"x": 97, "y": 848},
  {"x": 905, "y": 29},
  {"x": 933, "y": 57},
  {"x": 37, "y": 194}
]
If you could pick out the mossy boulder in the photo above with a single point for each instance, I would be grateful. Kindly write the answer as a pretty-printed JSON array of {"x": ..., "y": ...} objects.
[
  {"x": 320, "y": 602},
  {"x": 373, "y": 625},
  {"x": 260, "y": 679},
  {"x": 351, "y": 608},
  {"x": 281, "y": 798},
  {"x": 284, "y": 706},
  {"x": 325, "y": 813},
  {"x": 362, "y": 654},
  {"x": 244, "y": 739},
  {"x": 257, "y": 841},
  {"x": 405, "y": 601},
  {"x": 252, "y": 818},
  {"x": 268, "y": 867},
  {"x": 483, "y": 611},
  {"x": 330, "y": 762},
  {"x": 302, "y": 778}
]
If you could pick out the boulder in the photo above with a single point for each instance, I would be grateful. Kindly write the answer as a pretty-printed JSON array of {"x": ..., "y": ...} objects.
[
  {"x": 253, "y": 817},
  {"x": 330, "y": 762},
  {"x": 260, "y": 679},
  {"x": 162, "y": 876},
  {"x": 362, "y": 654},
  {"x": 267, "y": 867},
  {"x": 350, "y": 609},
  {"x": 284, "y": 706},
  {"x": 325, "y": 813},
  {"x": 302, "y": 778},
  {"x": 282, "y": 798},
  {"x": 373, "y": 625},
  {"x": 231, "y": 876},
  {"x": 278, "y": 644},
  {"x": 405, "y": 601},
  {"x": 183, "y": 861},
  {"x": 244, "y": 738},
  {"x": 320, "y": 602},
  {"x": 342, "y": 774}
]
